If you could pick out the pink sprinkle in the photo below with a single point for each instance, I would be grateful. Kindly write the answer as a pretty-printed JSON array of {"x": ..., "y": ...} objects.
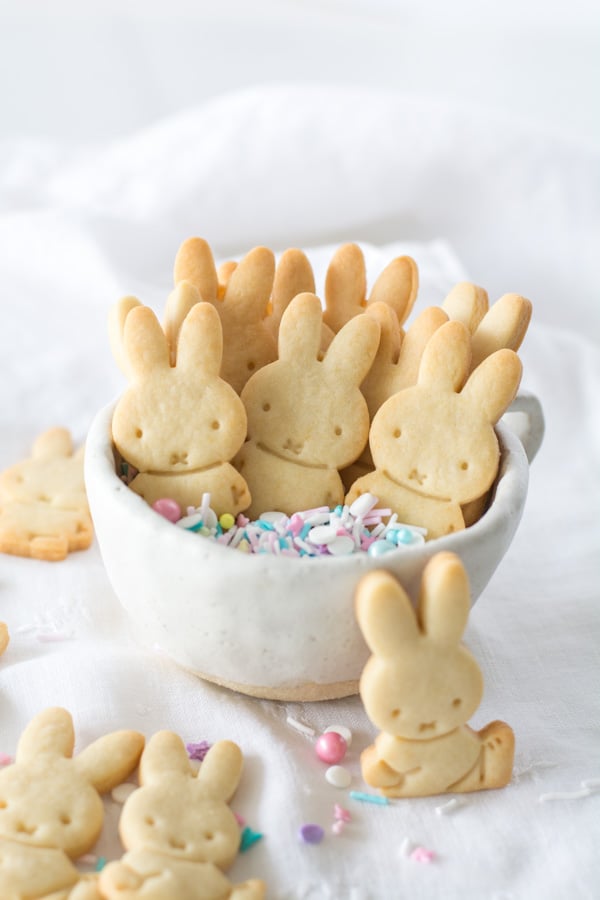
[
  {"x": 241, "y": 521},
  {"x": 421, "y": 854},
  {"x": 5, "y": 759},
  {"x": 338, "y": 826},
  {"x": 198, "y": 750},
  {"x": 341, "y": 814},
  {"x": 296, "y": 524},
  {"x": 240, "y": 819},
  {"x": 49, "y": 637}
]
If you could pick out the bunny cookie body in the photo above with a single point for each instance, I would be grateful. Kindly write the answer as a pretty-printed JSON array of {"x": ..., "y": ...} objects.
[
  {"x": 421, "y": 685},
  {"x": 179, "y": 425},
  {"x": 50, "y": 806},
  {"x": 434, "y": 444},
  {"x": 178, "y": 829},
  {"x": 306, "y": 415}
]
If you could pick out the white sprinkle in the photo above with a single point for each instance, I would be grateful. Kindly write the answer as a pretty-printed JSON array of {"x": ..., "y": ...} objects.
[
  {"x": 319, "y": 518},
  {"x": 449, "y": 806},
  {"x": 122, "y": 791},
  {"x": 273, "y": 517},
  {"x": 321, "y": 534},
  {"x": 592, "y": 784},
  {"x": 406, "y": 847},
  {"x": 338, "y": 776},
  {"x": 50, "y": 637},
  {"x": 300, "y": 726},
  {"x": 88, "y": 859},
  {"x": 588, "y": 787},
  {"x": 343, "y": 545},
  {"x": 363, "y": 504},
  {"x": 341, "y": 730}
]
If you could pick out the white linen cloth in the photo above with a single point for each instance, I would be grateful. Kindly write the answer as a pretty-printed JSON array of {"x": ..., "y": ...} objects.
[{"x": 81, "y": 226}]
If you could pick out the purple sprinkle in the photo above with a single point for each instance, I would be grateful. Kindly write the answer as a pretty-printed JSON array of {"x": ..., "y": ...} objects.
[
  {"x": 198, "y": 751},
  {"x": 311, "y": 834}
]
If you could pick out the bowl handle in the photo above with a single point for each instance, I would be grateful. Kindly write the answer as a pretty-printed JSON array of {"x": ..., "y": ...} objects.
[{"x": 531, "y": 429}]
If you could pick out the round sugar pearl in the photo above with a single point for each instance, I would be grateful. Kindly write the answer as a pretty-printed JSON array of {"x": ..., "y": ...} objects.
[
  {"x": 380, "y": 548},
  {"x": 226, "y": 521},
  {"x": 311, "y": 834},
  {"x": 168, "y": 508},
  {"x": 338, "y": 776},
  {"x": 341, "y": 729},
  {"x": 331, "y": 747}
]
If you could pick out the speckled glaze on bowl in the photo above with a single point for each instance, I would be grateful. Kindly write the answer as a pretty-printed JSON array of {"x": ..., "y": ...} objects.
[{"x": 269, "y": 626}]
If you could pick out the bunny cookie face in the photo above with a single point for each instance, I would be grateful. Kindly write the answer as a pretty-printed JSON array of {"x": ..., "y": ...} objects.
[
  {"x": 179, "y": 425},
  {"x": 421, "y": 686},
  {"x": 306, "y": 415}
]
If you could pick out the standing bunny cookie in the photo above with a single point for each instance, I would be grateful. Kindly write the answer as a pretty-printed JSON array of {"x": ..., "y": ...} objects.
[
  {"x": 50, "y": 806},
  {"x": 422, "y": 685},
  {"x": 434, "y": 444},
  {"x": 178, "y": 829},
  {"x": 306, "y": 415},
  {"x": 179, "y": 425}
]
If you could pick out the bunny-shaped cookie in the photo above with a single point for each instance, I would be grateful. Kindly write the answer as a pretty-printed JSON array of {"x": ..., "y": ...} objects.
[
  {"x": 248, "y": 341},
  {"x": 180, "y": 425},
  {"x": 178, "y": 829},
  {"x": 346, "y": 287},
  {"x": 396, "y": 366},
  {"x": 433, "y": 444},
  {"x": 43, "y": 505},
  {"x": 306, "y": 415},
  {"x": 50, "y": 806},
  {"x": 422, "y": 685}
]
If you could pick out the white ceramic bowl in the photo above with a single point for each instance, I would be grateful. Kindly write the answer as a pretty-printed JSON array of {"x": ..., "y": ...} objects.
[{"x": 270, "y": 626}]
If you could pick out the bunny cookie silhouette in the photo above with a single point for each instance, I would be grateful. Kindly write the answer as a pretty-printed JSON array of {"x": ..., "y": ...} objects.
[
  {"x": 346, "y": 287},
  {"x": 179, "y": 425},
  {"x": 243, "y": 307},
  {"x": 433, "y": 444},
  {"x": 421, "y": 686},
  {"x": 178, "y": 829},
  {"x": 306, "y": 415},
  {"x": 50, "y": 806},
  {"x": 43, "y": 505}
]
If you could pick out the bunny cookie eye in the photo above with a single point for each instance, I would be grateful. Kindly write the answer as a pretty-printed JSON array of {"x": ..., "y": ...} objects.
[
  {"x": 251, "y": 365},
  {"x": 396, "y": 433},
  {"x": 337, "y": 430},
  {"x": 463, "y": 465},
  {"x": 139, "y": 433},
  {"x": 266, "y": 407}
]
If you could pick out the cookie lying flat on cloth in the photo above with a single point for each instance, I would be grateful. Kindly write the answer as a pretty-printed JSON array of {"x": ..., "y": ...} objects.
[
  {"x": 43, "y": 505},
  {"x": 50, "y": 806}
]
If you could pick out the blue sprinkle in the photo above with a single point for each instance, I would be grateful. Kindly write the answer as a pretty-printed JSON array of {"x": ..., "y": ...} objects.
[
  {"x": 249, "y": 838},
  {"x": 100, "y": 864},
  {"x": 199, "y": 525},
  {"x": 305, "y": 529},
  {"x": 265, "y": 526},
  {"x": 369, "y": 798}
]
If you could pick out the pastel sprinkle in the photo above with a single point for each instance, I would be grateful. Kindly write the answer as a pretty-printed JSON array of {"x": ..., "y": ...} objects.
[
  {"x": 338, "y": 826},
  {"x": 341, "y": 730},
  {"x": 363, "y": 797},
  {"x": 300, "y": 726},
  {"x": 249, "y": 838},
  {"x": 198, "y": 750},
  {"x": 5, "y": 759},
  {"x": 340, "y": 813},
  {"x": 422, "y": 855},
  {"x": 100, "y": 864},
  {"x": 338, "y": 776},
  {"x": 311, "y": 834}
]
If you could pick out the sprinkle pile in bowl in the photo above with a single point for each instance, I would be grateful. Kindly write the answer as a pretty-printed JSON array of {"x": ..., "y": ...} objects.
[{"x": 342, "y": 531}]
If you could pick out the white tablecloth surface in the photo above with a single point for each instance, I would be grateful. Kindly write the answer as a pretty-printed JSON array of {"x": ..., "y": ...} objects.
[{"x": 515, "y": 211}]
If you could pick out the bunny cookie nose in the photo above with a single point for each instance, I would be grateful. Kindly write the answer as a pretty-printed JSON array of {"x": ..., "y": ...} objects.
[{"x": 293, "y": 446}]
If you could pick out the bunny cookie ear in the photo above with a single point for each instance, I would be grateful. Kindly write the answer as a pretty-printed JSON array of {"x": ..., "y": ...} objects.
[
  {"x": 109, "y": 760},
  {"x": 300, "y": 330},
  {"x": 224, "y": 273},
  {"x": 116, "y": 326},
  {"x": 144, "y": 343},
  {"x": 221, "y": 770},
  {"x": 165, "y": 752},
  {"x": 492, "y": 386},
  {"x": 397, "y": 286},
  {"x": 446, "y": 358},
  {"x": 444, "y": 602},
  {"x": 52, "y": 443},
  {"x": 352, "y": 351},
  {"x": 249, "y": 287},
  {"x": 385, "y": 614},
  {"x": 293, "y": 276},
  {"x": 194, "y": 263},
  {"x": 50, "y": 733},
  {"x": 179, "y": 304},
  {"x": 466, "y": 303},
  {"x": 345, "y": 286},
  {"x": 505, "y": 325},
  {"x": 201, "y": 341}
]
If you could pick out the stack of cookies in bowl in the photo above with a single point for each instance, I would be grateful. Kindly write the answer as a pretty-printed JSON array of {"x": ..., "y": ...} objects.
[{"x": 265, "y": 402}]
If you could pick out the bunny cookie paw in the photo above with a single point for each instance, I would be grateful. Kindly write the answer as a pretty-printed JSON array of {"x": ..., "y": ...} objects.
[
  {"x": 421, "y": 685},
  {"x": 179, "y": 425},
  {"x": 43, "y": 505}
]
